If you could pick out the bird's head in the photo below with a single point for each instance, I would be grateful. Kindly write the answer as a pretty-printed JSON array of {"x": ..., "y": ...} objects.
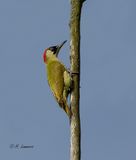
[{"x": 52, "y": 51}]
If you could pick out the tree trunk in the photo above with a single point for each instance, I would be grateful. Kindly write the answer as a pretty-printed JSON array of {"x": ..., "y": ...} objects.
[{"x": 75, "y": 149}]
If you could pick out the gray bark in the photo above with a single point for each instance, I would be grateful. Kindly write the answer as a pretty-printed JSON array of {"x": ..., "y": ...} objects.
[{"x": 75, "y": 129}]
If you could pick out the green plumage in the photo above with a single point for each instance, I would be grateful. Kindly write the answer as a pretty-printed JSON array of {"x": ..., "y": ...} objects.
[
  {"x": 59, "y": 81},
  {"x": 55, "y": 71}
]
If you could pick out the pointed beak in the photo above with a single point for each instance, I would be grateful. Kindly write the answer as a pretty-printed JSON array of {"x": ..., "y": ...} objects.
[{"x": 59, "y": 47}]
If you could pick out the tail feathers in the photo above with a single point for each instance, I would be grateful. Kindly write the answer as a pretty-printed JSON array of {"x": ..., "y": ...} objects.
[
  {"x": 63, "y": 104},
  {"x": 67, "y": 110}
]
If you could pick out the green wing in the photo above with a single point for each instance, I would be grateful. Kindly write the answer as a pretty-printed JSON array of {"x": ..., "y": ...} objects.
[{"x": 55, "y": 71}]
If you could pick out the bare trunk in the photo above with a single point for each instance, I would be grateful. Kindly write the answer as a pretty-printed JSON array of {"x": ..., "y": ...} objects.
[{"x": 75, "y": 149}]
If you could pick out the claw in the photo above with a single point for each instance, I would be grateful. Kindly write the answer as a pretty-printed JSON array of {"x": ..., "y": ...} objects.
[{"x": 72, "y": 73}]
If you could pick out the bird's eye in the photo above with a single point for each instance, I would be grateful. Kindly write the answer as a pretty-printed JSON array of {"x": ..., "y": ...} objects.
[{"x": 53, "y": 49}]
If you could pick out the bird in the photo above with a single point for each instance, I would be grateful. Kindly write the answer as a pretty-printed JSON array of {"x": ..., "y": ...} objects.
[{"x": 58, "y": 77}]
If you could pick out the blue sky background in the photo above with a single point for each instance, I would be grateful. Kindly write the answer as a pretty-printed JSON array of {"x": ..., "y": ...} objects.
[{"x": 29, "y": 115}]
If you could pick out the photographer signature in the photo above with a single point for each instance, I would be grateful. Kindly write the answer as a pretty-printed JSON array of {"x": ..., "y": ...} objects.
[{"x": 20, "y": 146}]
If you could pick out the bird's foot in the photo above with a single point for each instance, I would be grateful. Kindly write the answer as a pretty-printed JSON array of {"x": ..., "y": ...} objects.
[{"x": 72, "y": 73}]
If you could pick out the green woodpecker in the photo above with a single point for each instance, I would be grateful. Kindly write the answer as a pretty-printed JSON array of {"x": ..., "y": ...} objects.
[{"x": 59, "y": 78}]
